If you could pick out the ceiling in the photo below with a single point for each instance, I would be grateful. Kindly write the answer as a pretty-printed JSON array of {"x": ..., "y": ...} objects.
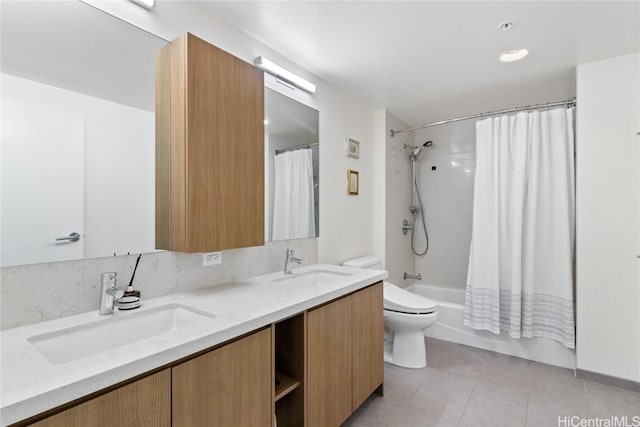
[{"x": 426, "y": 61}]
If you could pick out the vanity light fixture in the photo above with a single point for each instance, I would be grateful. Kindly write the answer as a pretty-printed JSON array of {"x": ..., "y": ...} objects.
[
  {"x": 284, "y": 74},
  {"x": 513, "y": 55},
  {"x": 147, "y": 4}
]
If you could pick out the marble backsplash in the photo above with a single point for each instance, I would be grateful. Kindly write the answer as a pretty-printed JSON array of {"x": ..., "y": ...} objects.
[{"x": 34, "y": 293}]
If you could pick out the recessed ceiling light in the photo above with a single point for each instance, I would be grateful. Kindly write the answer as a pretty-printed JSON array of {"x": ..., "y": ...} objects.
[
  {"x": 513, "y": 55},
  {"x": 266, "y": 121}
]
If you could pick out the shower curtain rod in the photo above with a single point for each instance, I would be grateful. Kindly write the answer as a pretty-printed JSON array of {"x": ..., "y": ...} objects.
[
  {"x": 570, "y": 102},
  {"x": 296, "y": 147}
]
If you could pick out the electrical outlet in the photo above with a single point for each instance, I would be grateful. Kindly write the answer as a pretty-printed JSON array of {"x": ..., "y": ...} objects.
[{"x": 212, "y": 258}]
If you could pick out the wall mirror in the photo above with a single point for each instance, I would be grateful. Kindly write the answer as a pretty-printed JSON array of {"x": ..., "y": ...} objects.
[
  {"x": 291, "y": 168},
  {"x": 77, "y": 144}
]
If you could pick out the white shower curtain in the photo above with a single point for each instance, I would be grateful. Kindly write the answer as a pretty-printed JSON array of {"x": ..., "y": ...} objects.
[
  {"x": 520, "y": 277},
  {"x": 293, "y": 199}
]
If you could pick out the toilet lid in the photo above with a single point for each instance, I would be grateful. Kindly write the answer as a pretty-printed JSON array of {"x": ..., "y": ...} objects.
[{"x": 397, "y": 299}]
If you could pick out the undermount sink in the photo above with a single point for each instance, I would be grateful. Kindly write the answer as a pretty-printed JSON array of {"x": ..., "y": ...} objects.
[
  {"x": 319, "y": 275},
  {"x": 80, "y": 341}
]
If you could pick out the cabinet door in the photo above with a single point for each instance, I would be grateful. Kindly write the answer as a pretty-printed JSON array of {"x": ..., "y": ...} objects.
[
  {"x": 213, "y": 152},
  {"x": 229, "y": 386},
  {"x": 145, "y": 402},
  {"x": 368, "y": 337},
  {"x": 329, "y": 364}
]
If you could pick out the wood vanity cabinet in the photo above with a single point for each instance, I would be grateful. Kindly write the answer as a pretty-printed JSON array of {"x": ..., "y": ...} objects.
[
  {"x": 228, "y": 386},
  {"x": 345, "y": 356},
  {"x": 142, "y": 403},
  {"x": 209, "y": 149},
  {"x": 328, "y": 360},
  {"x": 329, "y": 364},
  {"x": 367, "y": 326}
]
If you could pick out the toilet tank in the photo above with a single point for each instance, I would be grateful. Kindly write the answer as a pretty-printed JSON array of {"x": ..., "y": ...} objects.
[{"x": 369, "y": 262}]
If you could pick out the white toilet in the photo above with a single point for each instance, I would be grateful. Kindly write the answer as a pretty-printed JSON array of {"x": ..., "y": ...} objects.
[{"x": 406, "y": 316}]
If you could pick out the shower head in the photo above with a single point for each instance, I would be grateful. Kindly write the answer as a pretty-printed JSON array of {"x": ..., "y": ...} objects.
[{"x": 415, "y": 154}]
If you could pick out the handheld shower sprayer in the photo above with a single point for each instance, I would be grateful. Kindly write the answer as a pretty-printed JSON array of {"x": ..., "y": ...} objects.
[{"x": 417, "y": 152}]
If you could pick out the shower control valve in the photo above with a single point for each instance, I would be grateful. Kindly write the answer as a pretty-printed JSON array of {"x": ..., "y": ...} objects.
[{"x": 406, "y": 226}]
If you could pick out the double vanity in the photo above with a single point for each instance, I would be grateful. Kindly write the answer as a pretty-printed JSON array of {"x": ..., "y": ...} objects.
[{"x": 306, "y": 347}]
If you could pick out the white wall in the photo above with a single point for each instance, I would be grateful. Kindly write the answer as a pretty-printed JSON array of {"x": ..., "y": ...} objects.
[
  {"x": 399, "y": 258},
  {"x": 348, "y": 225},
  {"x": 607, "y": 222},
  {"x": 447, "y": 195},
  {"x": 380, "y": 196}
]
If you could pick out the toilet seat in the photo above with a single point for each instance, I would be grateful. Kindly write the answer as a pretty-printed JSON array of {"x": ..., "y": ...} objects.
[{"x": 401, "y": 301}]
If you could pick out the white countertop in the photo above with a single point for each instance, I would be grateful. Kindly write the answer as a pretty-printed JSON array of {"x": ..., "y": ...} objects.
[{"x": 30, "y": 384}]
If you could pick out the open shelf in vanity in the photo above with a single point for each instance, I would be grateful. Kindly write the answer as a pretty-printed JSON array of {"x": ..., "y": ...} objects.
[
  {"x": 284, "y": 385},
  {"x": 289, "y": 369}
]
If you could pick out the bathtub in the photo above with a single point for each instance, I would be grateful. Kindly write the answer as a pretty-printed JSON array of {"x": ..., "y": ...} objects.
[{"x": 450, "y": 327}]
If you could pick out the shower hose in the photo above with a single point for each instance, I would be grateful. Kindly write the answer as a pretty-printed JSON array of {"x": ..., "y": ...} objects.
[{"x": 424, "y": 224}]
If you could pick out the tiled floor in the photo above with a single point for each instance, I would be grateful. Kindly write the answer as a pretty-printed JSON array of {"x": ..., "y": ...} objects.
[{"x": 464, "y": 386}]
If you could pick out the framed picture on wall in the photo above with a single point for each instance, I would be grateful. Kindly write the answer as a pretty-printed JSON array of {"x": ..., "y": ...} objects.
[
  {"x": 353, "y": 182},
  {"x": 353, "y": 148}
]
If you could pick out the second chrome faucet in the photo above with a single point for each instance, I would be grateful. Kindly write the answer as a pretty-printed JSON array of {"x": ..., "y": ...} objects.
[{"x": 290, "y": 258}]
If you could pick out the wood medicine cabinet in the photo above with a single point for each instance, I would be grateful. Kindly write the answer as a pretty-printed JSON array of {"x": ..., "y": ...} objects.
[{"x": 209, "y": 149}]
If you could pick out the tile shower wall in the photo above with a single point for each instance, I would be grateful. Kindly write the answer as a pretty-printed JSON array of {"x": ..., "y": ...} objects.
[
  {"x": 398, "y": 256},
  {"x": 446, "y": 173},
  {"x": 39, "y": 292}
]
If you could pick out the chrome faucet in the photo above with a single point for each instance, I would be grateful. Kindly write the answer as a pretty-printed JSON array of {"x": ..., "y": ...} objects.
[
  {"x": 290, "y": 258},
  {"x": 109, "y": 293}
]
